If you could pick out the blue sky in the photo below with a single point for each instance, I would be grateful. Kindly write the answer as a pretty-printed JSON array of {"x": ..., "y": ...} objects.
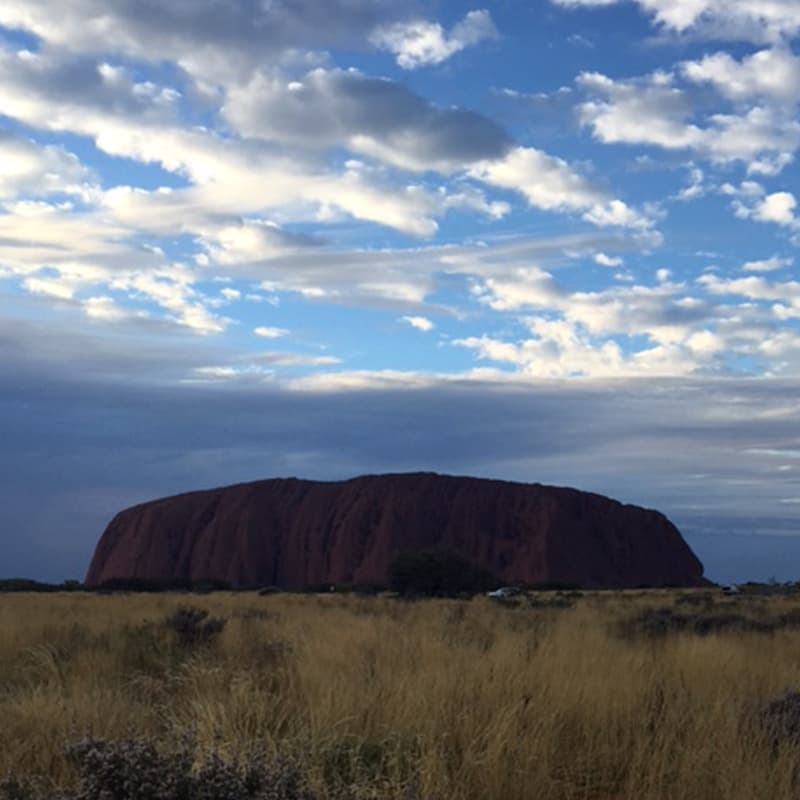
[{"x": 551, "y": 241}]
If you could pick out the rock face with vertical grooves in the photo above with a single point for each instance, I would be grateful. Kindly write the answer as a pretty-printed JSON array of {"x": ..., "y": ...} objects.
[{"x": 295, "y": 533}]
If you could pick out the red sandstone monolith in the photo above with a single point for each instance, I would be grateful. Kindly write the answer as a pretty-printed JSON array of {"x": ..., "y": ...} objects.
[{"x": 295, "y": 533}]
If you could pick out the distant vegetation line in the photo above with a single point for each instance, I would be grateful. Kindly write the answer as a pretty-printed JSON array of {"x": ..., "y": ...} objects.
[{"x": 421, "y": 585}]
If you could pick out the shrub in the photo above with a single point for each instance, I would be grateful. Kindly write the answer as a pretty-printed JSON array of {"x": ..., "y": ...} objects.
[
  {"x": 694, "y": 599},
  {"x": 437, "y": 573},
  {"x": 136, "y": 769},
  {"x": 656, "y": 622},
  {"x": 193, "y": 626},
  {"x": 558, "y": 602},
  {"x": 198, "y": 585},
  {"x": 13, "y": 788},
  {"x": 208, "y": 585},
  {"x": 653, "y": 623},
  {"x": 130, "y": 769},
  {"x": 27, "y": 585},
  {"x": 780, "y": 718}
]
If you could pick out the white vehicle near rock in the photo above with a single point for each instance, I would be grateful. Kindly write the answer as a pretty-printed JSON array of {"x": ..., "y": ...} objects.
[{"x": 504, "y": 592}]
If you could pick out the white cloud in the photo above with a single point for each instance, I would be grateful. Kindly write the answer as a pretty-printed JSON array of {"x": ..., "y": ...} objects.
[
  {"x": 650, "y": 110},
  {"x": 67, "y": 254},
  {"x": 519, "y": 287},
  {"x": 297, "y": 360},
  {"x": 228, "y": 176},
  {"x": 608, "y": 261},
  {"x": 752, "y": 287},
  {"x": 748, "y": 20},
  {"x": 421, "y": 43},
  {"x": 268, "y": 190},
  {"x": 767, "y": 265},
  {"x": 674, "y": 329},
  {"x": 777, "y": 207},
  {"x": 696, "y": 187},
  {"x": 420, "y": 323},
  {"x": 246, "y": 241},
  {"x": 546, "y": 181},
  {"x": 653, "y": 110},
  {"x": 270, "y": 333},
  {"x": 471, "y": 197},
  {"x": 45, "y": 170},
  {"x": 770, "y": 165},
  {"x": 61, "y": 290},
  {"x": 562, "y": 349},
  {"x": 619, "y": 214},
  {"x": 106, "y": 309},
  {"x": 172, "y": 289},
  {"x": 268, "y": 186},
  {"x": 772, "y": 74},
  {"x": 213, "y": 42},
  {"x": 752, "y": 202},
  {"x": 764, "y": 135}
]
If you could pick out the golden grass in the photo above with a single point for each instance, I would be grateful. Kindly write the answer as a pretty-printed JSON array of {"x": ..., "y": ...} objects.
[{"x": 464, "y": 700}]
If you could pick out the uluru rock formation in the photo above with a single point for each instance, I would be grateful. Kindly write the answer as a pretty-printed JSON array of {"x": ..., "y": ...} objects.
[{"x": 295, "y": 533}]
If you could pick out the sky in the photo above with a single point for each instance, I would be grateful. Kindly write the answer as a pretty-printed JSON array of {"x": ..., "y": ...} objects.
[{"x": 551, "y": 241}]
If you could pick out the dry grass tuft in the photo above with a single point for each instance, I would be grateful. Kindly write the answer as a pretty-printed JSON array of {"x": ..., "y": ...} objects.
[{"x": 605, "y": 696}]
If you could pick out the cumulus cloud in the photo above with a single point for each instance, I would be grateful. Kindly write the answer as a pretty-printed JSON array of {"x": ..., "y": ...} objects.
[
  {"x": 226, "y": 176},
  {"x": 50, "y": 287},
  {"x": 546, "y": 181},
  {"x": 68, "y": 254},
  {"x": 752, "y": 202},
  {"x": 773, "y": 73},
  {"x": 213, "y": 42},
  {"x": 617, "y": 213},
  {"x": 752, "y": 287},
  {"x": 747, "y": 20},
  {"x": 777, "y": 207},
  {"x": 374, "y": 117},
  {"x": 108, "y": 310},
  {"x": 767, "y": 264},
  {"x": 696, "y": 187},
  {"x": 244, "y": 241},
  {"x": 233, "y": 199},
  {"x": 54, "y": 91},
  {"x": 519, "y": 287},
  {"x": 656, "y": 110},
  {"x": 45, "y": 170},
  {"x": 422, "y": 43},
  {"x": 650, "y": 110},
  {"x": 420, "y": 323},
  {"x": 608, "y": 261},
  {"x": 667, "y": 329}
]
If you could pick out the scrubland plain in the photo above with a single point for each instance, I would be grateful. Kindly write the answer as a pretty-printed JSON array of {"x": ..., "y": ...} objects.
[{"x": 549, "y": 698}]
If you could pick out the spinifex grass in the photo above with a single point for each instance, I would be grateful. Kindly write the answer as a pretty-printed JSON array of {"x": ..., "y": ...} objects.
[{"x": 452, "y": 700}]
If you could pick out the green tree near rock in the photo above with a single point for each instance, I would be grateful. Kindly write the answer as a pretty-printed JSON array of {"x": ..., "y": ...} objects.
[{"x": 437, "y": 573}]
